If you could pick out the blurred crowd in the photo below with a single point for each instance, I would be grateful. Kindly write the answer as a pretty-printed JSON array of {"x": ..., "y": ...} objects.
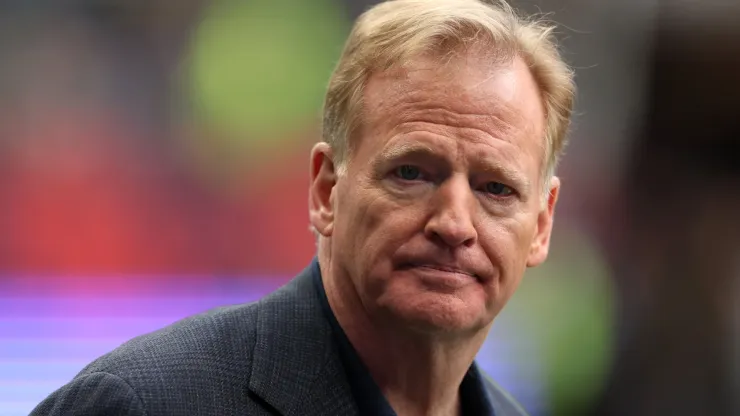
[{"x": 171, "y": 137}]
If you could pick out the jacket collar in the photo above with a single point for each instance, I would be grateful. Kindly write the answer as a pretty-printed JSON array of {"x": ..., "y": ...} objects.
[{"x": 296, "y": 367}]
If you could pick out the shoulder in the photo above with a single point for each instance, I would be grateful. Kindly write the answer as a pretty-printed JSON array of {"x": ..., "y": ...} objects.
[
  {"x": 221, "y": 340},
  {"x": 205, "y": 364},
  {"x": 503, "y": 403},
  {"x": 206, "y": 355},
  {"x": 200, "y": 363},
  {"x": 221, "y": 334},
  {"x": 76, "y": 398}
]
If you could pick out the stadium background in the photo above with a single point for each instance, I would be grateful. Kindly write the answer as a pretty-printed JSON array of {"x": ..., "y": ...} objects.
[{"x": 153, "y": 164}]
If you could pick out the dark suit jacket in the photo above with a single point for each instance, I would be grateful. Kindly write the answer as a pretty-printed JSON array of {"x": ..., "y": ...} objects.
[{"x": 273, "y": 357}]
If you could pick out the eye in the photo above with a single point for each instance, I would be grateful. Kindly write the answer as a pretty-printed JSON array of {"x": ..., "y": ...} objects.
[
  {"x": 408, "y": 172},
  {"x": 498, "y": 189}
]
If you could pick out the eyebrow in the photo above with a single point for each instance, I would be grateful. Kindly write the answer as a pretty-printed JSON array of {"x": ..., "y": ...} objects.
[{"x": 407, "y": 150}]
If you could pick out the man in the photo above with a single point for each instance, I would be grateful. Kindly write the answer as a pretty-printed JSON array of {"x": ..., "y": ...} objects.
[{"x": 431, "y": 195}]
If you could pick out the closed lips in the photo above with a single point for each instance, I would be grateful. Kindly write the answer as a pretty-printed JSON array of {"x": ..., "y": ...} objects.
[{"x": 441, "y": 267}]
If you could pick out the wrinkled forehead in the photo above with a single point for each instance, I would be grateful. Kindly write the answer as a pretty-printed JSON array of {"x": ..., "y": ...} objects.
[{"x": 500, "y": 99}]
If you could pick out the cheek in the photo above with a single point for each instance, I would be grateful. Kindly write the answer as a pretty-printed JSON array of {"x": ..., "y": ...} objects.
[
  {"x": 387, "y": 225},
  {"x": 368, "y": 223},
  {"x": 383, "y": 213},
  {"x": 506, "y": 242}
]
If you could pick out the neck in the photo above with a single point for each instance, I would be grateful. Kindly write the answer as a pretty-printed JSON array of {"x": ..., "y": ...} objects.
[{"x": 418, "y": 373}]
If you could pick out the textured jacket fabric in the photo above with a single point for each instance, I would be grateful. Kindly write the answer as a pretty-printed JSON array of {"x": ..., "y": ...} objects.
[{"x": 276, "y": 356}]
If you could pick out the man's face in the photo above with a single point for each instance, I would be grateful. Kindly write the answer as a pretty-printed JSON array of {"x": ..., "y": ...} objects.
[{"x": 439, "y": 211}]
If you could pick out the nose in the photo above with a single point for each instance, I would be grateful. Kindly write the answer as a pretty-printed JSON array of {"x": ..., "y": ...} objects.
[{"x": 453, "y": 208}]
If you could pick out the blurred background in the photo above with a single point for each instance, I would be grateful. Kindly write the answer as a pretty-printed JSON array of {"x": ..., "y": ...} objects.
[{"x": 153, "y": 164}]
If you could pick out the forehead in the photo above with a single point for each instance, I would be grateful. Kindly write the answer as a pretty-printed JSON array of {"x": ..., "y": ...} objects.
[{"x": 495, "y": 104}]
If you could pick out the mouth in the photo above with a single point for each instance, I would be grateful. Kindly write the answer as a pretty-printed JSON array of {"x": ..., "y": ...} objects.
[{"x": 441, "y": 268}]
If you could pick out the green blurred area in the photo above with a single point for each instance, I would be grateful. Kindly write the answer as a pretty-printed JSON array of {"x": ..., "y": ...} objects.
[
  {"x": 567, "y": 306},
  {"x": 258, "y": 69}
]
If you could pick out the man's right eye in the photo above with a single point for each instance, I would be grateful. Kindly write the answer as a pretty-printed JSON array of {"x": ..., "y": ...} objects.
[{"x": 408, "y": 172}]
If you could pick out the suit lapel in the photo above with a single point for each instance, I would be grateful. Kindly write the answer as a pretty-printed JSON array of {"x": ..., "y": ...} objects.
[{"x": 296, "y": 367}]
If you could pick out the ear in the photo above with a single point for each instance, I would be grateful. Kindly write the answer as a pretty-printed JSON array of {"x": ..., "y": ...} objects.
[
  {"x": 541, "y": 244},
  {"x": 320, "y": 192}
]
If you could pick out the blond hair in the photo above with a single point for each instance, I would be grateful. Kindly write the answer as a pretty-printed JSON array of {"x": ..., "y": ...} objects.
[{"x": 395, "y": 31}]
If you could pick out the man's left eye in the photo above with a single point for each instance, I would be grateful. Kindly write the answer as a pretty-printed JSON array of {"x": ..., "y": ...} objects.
[
  {"x": 408, "y": 172},
  {"x": 498, "y": 189}
]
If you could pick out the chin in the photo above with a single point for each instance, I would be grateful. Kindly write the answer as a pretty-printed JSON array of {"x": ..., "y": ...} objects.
[{"x": 439, "y": 313}]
